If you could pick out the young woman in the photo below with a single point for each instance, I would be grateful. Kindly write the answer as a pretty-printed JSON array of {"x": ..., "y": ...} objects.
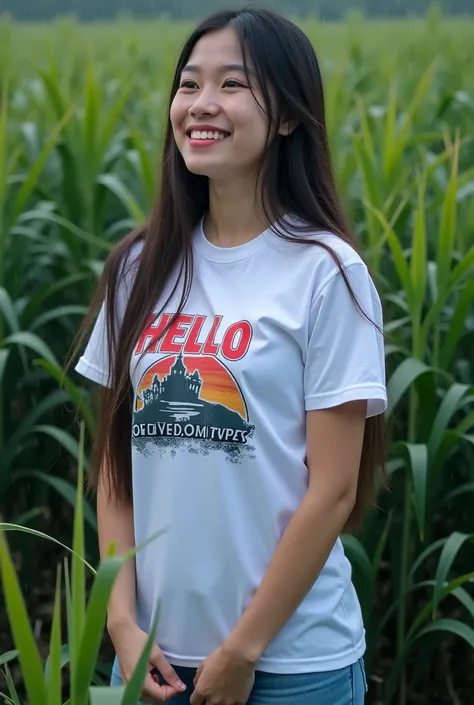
[{"x": 240, "y": 354}]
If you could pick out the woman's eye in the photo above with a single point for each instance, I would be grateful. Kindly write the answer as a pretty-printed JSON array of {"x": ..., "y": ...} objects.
[
  {"x": 188, "y": 84},
  {"x": 231, "y": 83}
]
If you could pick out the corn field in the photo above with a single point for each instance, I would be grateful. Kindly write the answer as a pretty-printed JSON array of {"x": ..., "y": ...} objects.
[{"x": 82, "y": 120}]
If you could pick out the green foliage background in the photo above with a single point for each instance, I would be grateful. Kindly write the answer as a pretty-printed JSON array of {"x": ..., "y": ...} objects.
[{"x": 81, "y": 125}]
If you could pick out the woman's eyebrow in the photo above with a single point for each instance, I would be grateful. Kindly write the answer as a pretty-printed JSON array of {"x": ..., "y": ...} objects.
[{"x": 193, "y": 68}]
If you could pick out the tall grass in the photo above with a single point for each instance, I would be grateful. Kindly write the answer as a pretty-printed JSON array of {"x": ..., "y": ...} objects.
[{"x": 81, "y": 127}]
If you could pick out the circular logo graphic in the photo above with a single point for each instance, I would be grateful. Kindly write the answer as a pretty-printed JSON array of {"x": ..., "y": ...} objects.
[{"x": 188, "y": 378}]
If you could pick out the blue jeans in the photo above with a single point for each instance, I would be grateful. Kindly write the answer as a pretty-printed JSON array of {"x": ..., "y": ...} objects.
[{"x": 345, "y": 686}]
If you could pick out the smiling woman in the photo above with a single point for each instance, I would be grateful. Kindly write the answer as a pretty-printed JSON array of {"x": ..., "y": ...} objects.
[
  {"x": 240, "y": 352},
  {"x": 217, "y": 107}
]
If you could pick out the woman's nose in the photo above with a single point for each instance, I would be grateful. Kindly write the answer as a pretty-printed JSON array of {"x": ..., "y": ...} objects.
[{"x": 204, "y": 105}]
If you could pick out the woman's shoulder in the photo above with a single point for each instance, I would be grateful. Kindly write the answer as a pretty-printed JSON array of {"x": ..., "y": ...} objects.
[{"x": 314, "y": 246}]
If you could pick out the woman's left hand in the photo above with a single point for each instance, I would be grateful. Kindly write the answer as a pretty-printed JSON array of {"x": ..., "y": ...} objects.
[{"x": 223, "y": 678}]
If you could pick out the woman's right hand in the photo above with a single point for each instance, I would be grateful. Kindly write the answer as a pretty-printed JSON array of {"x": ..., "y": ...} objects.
[{"x": 129, "y": 641}]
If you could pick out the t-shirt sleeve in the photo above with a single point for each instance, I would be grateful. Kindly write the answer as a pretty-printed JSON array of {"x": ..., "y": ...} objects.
[
  {"x": 345, "y": 359},
  {"x": 94, "y": 363}
]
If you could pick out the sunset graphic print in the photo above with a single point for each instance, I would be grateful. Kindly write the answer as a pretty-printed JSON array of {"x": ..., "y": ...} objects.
[{"x": 188, "y": 397}]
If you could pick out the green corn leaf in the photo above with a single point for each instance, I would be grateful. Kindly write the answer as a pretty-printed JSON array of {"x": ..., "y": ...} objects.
[
  {"x": 418, "y": 97},
  {"x": 382, "y": 542},
  {"x": 8, "y": 656},
  {"x": 57, "y": 313},
  {"x": 94, "y": 625},
  {"x": 389, "y": 154},
  {"x": 418, "y": 258},
  {"x": 417, "y": 457},
  {"x": 15, "y": 442},
  {"x": 467, "y": 488},
  {"x": 12, "y": 692},
  {"x": 5, "y": 526},
  {"x": 435, "y": 546},
  {"x": 3, "y": 362},
  {"x": 65, "y": 489},
  {"x": 103, "y": 695},
  {"x": 467, "y": 423},
  {"x": 445, "y": 413},
  {"x": 75, "y": 393},
  {"x": 114, "y": 113},
  {"x": 447, "y": 232},
  {"x": 92, "y": 115},
  {"x": 135, "y": 684},
  {"x": 464, "y": 597},
  {"x": 33, "y": 342},
  {"x": 63, "y": 438},
  {"x": 124, "y": 195},
  {"x": 78, "y": 588},
  {"x": 401, "y": 380},
  {"x": 28, "y": 654},
  {"x": 53, "y": 666},
  {"x": 453, "y": 588},
  {"x": 7, "y": 310},
  {"x": 51, "y": 85},
  {"x": 47, "y": 217},
  {"x": 399, "y": 260},
  {"x": 360, "y": 561},
  {"x": 452, "y": 626},
  {"x": 457, "y": 324},
  {"x": 37, "y": 302},
  {"x": 3, "y": 160},
  {"x": 34, "y": 174},
  {"x": 448, "y": 555},
  {"x": 70, "y": 623},
  {"x": 463, "y": 268},
  {"x": 147, "y": 172},
  {"x": 64, "y": 657}
]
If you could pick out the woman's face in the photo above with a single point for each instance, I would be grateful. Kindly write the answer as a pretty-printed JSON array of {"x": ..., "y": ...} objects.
[{"x": 218, "y": 125}]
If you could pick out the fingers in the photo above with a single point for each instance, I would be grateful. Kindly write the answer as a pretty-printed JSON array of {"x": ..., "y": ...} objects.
[
  {"x": 158, "y": 660},
  {"x": 154, "y": 693},
  {"x": 198, "y": 673},
  {"x": 197, "y": 699}
]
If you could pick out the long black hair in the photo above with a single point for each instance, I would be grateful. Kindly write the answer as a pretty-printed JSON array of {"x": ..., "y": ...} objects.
[{"x": 295, "y": 177}]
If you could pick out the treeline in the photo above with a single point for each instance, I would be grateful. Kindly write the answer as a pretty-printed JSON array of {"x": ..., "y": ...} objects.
[{"x": 327, "y": 9}]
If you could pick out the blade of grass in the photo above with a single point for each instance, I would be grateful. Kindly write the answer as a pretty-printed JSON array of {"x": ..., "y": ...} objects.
[
  {"x": 52, "y": 673},
  {"x": 6, "y": 526},
  {"x": 78, "y": 588},
  {"x": 13, "y": 695},
  {"x": 28, "y": 654}
]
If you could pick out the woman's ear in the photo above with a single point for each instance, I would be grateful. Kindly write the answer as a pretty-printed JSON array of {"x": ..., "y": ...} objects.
[{"x": 287, "y": 127}]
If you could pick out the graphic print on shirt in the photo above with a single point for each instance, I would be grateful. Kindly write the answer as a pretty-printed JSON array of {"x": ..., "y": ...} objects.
[{"x": 188, "y": 396}]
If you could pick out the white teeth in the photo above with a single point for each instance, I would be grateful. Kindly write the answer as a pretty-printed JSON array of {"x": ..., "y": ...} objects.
[{"x": 207, "y": 135}]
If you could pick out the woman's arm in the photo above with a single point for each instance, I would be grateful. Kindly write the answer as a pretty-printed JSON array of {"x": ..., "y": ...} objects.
[
  {"x": 334, "y": 441},
  {"x": 115, "y": 524}
]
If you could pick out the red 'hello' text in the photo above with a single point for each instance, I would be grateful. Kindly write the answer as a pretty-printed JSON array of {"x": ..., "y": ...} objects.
[{"x": 185, "y": 336}]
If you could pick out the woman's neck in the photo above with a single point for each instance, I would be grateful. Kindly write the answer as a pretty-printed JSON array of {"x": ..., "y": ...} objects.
[{"x": 234, "y": 218}]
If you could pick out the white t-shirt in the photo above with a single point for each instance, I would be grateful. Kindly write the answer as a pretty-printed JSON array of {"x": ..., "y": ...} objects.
[{"x": 218, "y": 440}]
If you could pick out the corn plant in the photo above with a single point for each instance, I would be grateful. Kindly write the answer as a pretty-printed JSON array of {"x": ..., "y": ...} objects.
[{"x": 85, "y": 625}]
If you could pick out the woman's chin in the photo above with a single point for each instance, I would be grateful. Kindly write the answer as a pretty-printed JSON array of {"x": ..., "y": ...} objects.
[{"x": 202, "y": 167}]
